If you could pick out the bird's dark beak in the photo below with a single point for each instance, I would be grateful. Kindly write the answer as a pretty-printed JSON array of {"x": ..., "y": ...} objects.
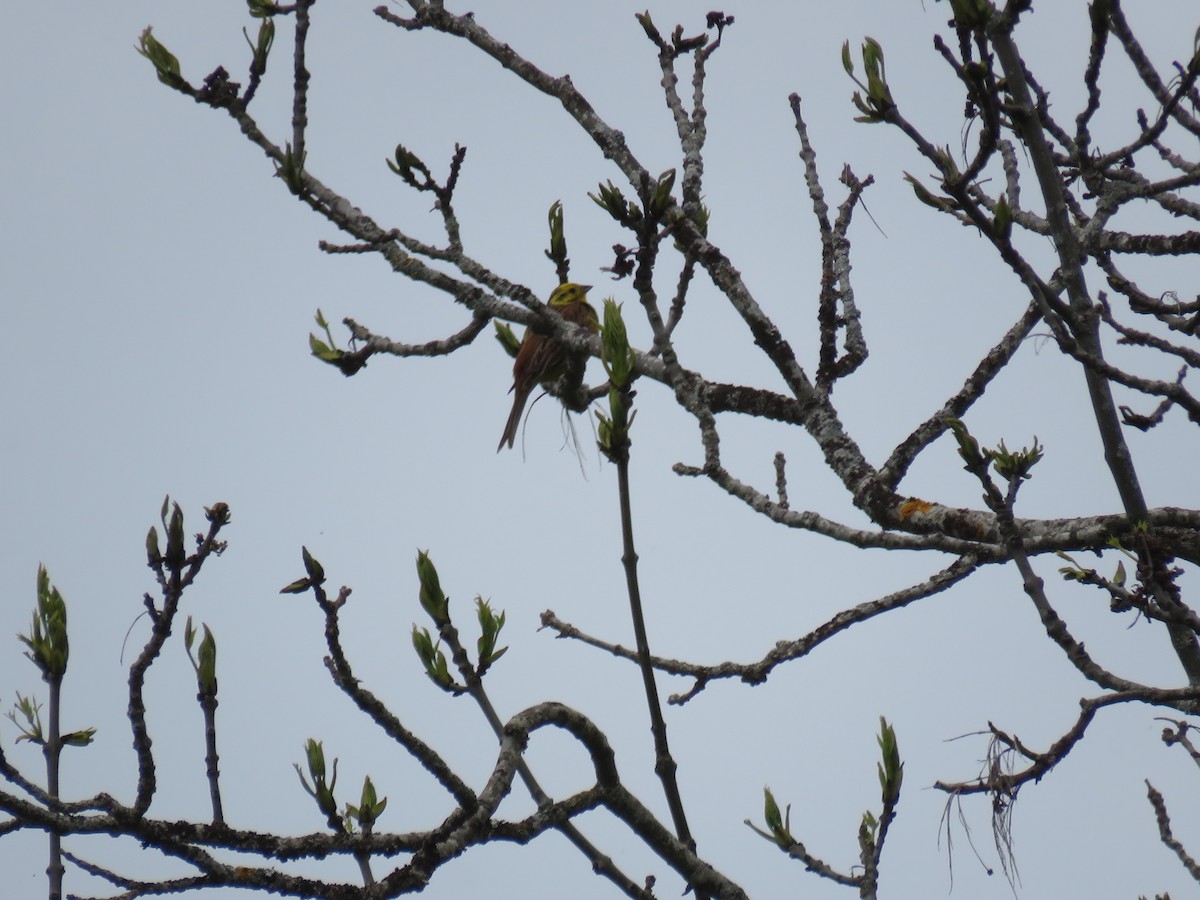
[{"x": 585, "y": 287}]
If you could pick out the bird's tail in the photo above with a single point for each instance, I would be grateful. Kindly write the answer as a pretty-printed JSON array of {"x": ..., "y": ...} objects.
[{"x": 514, "y": 420}]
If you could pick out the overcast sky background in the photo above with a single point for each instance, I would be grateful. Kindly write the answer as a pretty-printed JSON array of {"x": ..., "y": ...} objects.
[{"x": 159, "y": 285}]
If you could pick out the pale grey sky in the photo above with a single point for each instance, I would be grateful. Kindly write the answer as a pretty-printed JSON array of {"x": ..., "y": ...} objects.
[{"x": 159, "y": 285}]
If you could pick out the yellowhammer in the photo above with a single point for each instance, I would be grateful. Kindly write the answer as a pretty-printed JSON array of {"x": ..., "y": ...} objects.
[{"x": 542, "y": 359}]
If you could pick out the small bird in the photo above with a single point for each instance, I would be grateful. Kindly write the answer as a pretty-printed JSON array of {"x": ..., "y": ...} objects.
[{"x": 542, "y": 359}]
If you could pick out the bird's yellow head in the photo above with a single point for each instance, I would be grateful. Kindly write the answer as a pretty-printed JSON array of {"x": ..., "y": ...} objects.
[{"x": 569, "y": 294}]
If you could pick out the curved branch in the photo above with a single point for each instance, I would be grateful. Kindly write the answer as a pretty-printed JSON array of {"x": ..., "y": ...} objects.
[
  {"x": 377, "y": 711},
  {"x": 783, "y": 651},
  {"x": 995, "y": 779}
]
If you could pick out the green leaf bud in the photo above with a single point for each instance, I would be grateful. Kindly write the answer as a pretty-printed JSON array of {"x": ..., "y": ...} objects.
[
  {"x": 508, "y": 340},
  {"x": 153, "y": 554},
  {"x": 558, "y": 241},
  {"x": 164, "y": 62},
  {"x": 616, "y": 354},
  {"x": 176, "y": 554},
  {"x": 433, "y": 601},
  {"x": 207, "y": 670},
  {"x": 80, "y": 738},
  {"x": 316, "y": 572}
]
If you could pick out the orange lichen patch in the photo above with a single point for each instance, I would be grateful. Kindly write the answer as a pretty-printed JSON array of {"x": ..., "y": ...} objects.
[{"x": 913, "y": 507}]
